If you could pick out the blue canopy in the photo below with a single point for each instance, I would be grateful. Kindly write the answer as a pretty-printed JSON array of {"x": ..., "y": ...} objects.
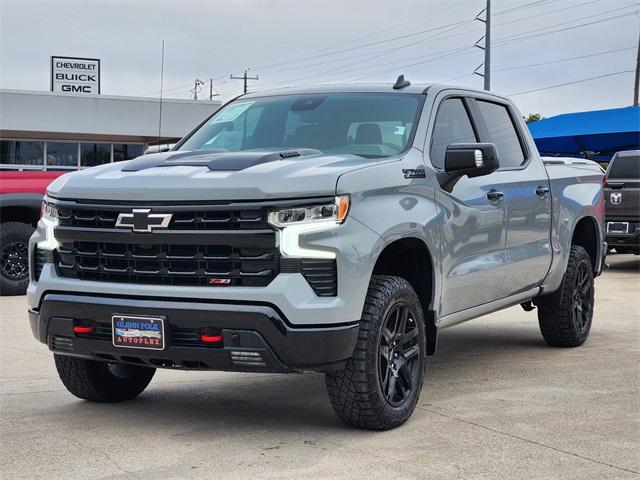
[{"x": 600, "y": 133}]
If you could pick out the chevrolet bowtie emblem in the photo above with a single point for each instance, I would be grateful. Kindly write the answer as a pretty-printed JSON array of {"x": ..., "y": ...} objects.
[{"x": 142, "y": 220}]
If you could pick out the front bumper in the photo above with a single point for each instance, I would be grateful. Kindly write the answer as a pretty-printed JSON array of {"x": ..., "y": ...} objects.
[{"x": 255, "y": 337}]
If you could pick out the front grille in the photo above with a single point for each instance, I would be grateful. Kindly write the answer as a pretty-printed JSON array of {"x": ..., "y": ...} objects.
[
  {"x": 236, "y": 219},
  {"x": 195, "y": 265}
]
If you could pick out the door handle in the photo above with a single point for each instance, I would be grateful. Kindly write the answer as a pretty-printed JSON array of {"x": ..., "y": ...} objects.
[
  {"x": 542, "y": 191},
  {"x": 494, "y": 195}
]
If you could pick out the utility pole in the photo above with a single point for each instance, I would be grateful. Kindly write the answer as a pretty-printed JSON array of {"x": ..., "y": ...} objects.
[
  {"x": 245, "y": 78},
  {"x": 196, "y": 87},
  {"x": 211, "y": 89},
  {"x": 486, "y": 73},
  {"x": 636, "y": 86}
]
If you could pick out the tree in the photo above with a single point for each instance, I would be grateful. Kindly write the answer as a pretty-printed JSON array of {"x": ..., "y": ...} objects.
[{"x": 533, "y": 117}]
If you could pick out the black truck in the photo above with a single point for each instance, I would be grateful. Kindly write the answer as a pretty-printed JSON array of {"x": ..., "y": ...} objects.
[{"x": 622, "y": 194}]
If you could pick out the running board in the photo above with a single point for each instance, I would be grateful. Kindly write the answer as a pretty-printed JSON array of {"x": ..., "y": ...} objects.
[{"x": 484, "y": 309}]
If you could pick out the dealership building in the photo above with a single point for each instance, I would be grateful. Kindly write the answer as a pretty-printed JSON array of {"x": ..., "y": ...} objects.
[{"x": 54, "y": 130}]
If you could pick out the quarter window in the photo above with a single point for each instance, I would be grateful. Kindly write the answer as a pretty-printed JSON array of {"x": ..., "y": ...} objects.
[
  {"x": 502, "y": 133},
  {"x": 452, "y": 126}
]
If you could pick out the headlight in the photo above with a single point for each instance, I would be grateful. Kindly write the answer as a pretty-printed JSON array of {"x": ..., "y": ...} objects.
[
  {"x": 49, "y": 218},
  {"x": 334, "y": 213},
  {"x": 48, "y": 211}
]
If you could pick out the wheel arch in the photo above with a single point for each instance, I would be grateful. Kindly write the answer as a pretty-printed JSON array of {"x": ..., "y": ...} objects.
[
  {"x": 586, "y": 235},
  {"x": 411, "y": 259}
]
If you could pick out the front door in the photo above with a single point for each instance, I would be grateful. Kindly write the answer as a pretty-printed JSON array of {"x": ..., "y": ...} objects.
[{"x": 473, "y": 224}]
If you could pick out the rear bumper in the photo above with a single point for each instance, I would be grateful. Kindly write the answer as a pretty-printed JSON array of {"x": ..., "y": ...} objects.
[
  {"x": 631, "y": 239},
  {"x": 255, "y": 337}
]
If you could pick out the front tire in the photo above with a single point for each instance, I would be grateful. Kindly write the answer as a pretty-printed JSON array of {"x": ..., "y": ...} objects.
[
  {"x": 14, "y": 258},
  {"x": 567, "y": 323},
  {"x": 101, "y": 381},
  {"x": 379, "y": 387}
]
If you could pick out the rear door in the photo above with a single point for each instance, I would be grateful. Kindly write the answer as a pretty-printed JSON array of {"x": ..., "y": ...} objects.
[{"x": 527, "y": 197}]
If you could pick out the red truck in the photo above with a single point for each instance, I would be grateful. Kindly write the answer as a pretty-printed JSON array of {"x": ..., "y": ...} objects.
[{"x": 20, "y": 197}]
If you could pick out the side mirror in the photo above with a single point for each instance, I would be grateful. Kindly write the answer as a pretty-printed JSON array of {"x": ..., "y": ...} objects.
[{"x": 471, "y": 159}]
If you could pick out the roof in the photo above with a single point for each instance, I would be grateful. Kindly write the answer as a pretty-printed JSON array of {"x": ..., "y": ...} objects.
[
  {"x": 415, "y": 88},
  {"x": 602, "y": 131}
]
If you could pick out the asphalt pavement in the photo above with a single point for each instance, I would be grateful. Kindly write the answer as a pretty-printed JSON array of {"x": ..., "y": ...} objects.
[{"x": 498, "y": 403}]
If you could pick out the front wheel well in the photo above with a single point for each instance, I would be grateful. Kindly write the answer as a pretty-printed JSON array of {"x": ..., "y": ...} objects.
[
  {"x": 22, "y": 214},
  {"x": 585, "y": 234},
  {"x": 409, "y": 258}
]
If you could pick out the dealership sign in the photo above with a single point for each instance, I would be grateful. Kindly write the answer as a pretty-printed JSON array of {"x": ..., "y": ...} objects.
[{"x": 75, "y": 75}]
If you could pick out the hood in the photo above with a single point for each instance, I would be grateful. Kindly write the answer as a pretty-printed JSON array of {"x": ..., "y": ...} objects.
[{"x": 212, "y": 175}]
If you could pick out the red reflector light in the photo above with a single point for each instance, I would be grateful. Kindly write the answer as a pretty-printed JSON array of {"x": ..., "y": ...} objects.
[
  {"x": 82, "y": 328},
  {"x": 208, "y": 338}
]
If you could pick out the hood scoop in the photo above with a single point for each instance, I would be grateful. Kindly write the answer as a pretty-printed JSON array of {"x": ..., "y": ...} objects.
[{"x": 215, "y": 160}]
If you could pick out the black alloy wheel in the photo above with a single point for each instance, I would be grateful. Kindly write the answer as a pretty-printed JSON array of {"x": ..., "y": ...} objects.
[
  {"x": 14, "y": 261},
  {"x": 398, "y": 355},
  {"x": 583, "y": 297}
]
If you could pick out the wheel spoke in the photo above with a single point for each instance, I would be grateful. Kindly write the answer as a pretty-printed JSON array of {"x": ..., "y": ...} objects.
[
  {"x": 404, "y": 381},
  {"x": 387, "y": 334},
  {"x": 411, "y": 352},
  {"x": 408, "y": 336},
  {"x": 391, "y": 388},
  {"x": 403, "y": 319}
]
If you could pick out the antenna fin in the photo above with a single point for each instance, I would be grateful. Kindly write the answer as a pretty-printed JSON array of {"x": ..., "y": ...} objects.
[{"x": 401, "y": 83}]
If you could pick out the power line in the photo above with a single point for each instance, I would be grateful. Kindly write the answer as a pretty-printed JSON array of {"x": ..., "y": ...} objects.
[
  {"x": 521, "y": 7},
  {"x": 550, "y": 62},
  {"x": 245, "y": 78},
  {"x": 570, "y": 83},
  {"x": 560, "y": 60},
  {"x": 500, "y": 41}
]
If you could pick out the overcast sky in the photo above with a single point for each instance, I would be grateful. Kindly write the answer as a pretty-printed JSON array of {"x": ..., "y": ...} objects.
[{"x": 306, "y": 42}]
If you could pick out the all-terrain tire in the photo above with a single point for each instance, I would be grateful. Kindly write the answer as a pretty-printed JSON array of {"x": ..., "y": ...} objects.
[
  {"x": 100, "y": 381},
  {"x": 356, "y": 391},
  {"x": 14, "y": 267},
  {"x": 567, "y": 321}
]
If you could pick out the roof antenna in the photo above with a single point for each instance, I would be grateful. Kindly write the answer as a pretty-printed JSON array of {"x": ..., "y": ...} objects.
[
  {"x": 401, "y": 83},
  {"x": 161, "y": 87}
]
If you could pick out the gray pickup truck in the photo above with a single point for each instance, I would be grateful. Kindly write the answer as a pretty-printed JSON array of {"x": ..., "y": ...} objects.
[{"x": 333, "y": 229}]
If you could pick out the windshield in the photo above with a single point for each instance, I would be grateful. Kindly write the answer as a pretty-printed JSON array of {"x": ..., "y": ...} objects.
[
  {"x": 626, "y": 167},
  {"x": 369, "y": 125}
]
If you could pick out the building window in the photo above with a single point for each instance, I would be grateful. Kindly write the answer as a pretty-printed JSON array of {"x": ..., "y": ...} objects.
[
  {"x": 92, "y": 154},
  {"x": 62, "y": 154},
  {"x": 126, "y": 151},
  {"x": 17, "y": 152}
]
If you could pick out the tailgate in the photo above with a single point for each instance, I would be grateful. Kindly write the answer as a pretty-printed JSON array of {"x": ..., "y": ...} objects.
[{"x": 622, "y": 199}]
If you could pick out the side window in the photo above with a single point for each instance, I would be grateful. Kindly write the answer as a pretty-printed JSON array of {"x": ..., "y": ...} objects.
[
  {"x": 452, "y": 126},
  {"x": 502, "y": 133}
]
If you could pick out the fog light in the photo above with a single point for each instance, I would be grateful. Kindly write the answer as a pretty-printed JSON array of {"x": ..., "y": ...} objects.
[
  {"x": 211, "y": 335},
  {"x": 83, "y": 326}
]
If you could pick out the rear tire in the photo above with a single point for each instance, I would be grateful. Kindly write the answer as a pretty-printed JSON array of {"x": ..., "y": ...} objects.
[
  {"x": 379, "y": 387},
  {"x": 567, "y": 323},
  {"x": 14, "y": 258},
  {"x": 101, "y": 381}
]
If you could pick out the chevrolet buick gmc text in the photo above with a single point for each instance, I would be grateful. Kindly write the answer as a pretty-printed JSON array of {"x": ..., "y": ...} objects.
[{"x": 334, "y": 229}]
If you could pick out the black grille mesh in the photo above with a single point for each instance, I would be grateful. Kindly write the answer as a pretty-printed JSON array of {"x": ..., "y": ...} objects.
[{"x": 195, "y": 265}]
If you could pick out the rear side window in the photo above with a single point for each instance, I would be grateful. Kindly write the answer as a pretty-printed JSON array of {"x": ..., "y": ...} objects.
[
  {"x": 452, "y": 126},
  {"x": 625, "y": 167},
  {"x": 502, "y": 133}
]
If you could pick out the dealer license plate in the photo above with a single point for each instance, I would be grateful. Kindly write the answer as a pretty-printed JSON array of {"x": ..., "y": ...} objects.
[
  {"x": 618, "y": 227},
  {"x": 138, "y": 332}
]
